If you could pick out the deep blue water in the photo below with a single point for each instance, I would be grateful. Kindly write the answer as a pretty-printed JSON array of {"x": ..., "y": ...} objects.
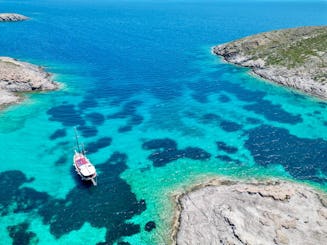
[{"x": 155, "y": 109}]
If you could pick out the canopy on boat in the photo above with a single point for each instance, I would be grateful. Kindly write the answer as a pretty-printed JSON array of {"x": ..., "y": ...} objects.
[{"x": 81, "y": 161}]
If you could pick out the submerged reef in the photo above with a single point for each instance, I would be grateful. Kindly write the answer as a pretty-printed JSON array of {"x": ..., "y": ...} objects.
[
  {"x": 110, "y": 205},
  {"x": 165, "y": 151},
  {"x": 303, "y": 158}
]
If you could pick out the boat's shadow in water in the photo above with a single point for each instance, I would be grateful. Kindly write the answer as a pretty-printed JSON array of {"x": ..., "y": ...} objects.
[{"x": 81, "y": 184}]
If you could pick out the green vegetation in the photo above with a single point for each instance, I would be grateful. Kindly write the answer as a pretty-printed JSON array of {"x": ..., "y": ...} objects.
[{"x": 298, "y": 53}]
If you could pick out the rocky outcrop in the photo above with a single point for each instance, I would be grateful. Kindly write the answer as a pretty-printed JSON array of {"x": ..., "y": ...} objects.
[
  {"x": 258, "y": 212},
  {"x": 11, "y": 17},
  {"x": 17, "y": 76},
  {"x": 296, "y": 58}
]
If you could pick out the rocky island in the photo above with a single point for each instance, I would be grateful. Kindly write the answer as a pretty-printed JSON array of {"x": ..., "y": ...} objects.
[
  {"x": 258, "y": 212},
  {"x": 296, "y": 58},
  {"x": 17, "y": 76},
  {"x": 12, "y": 17}
]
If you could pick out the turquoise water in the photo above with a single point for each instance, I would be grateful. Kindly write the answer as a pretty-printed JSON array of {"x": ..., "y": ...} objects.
[{"x": 155, "y": 109}]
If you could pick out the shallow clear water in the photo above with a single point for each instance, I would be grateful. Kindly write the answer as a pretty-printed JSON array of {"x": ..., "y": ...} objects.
[{"x": 155, "y": 109}]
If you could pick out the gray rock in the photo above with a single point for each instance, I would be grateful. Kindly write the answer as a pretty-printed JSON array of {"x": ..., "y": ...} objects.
[
  {"x": 296, "y": 58},
  {"x": 12, "y": 17},
  {"x": 258, "y": 212},
  {"x": 17, "y": 76}
]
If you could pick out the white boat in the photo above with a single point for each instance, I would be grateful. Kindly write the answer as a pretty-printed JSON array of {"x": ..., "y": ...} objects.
[{"x": 82, "y": 164}]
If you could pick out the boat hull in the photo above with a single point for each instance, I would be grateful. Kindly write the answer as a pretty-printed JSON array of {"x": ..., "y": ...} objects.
[{"x": 84, "y": 167}]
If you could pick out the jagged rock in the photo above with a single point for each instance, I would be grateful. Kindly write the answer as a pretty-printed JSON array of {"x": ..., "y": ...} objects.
[
  {"x": 17, "y": 76},
  {"x": 7, "y": 17},
  {"x": 257, "y": 212},
  {"x": 296, "y": 58}
]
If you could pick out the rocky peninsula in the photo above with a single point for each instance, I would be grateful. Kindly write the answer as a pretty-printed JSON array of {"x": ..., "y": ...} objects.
[
  {"x": 257, "y": 212},
  {"x": 12, "y": 17},
  {"x": 17, "y": 76},
  {"x": 296, "y": 58}
]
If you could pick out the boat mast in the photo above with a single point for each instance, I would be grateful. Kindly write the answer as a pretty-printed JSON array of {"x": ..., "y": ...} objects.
[
  {"x": 83, "y": 150},
  {"x": 76, "y": 136}
]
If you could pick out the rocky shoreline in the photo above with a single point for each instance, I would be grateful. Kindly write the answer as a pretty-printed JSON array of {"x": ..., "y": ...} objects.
[
  {"x": 258, "y": 212},
  {"x": 295, "y": 58},
  {"x": 12, "y": 17},
  {"x": 17, "y": 76}
]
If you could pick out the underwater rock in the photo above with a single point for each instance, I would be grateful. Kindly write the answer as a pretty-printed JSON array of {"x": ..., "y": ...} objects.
[
  {"x": 21, "y": 236},
  {"x": 15, "y": 198},
  {"x": 87, "y": 131},
  {"x": 224, "y": 98},
  {"x": 67, "y": 114},
  {"x": 58, "y": 134},
  {"x": 226, "y": 148},
  {"x": 110, "y": 205},
  {"x": 273, "y": 112},
  {"x": 61, "y": 160},
  {"x": 128, "y": 112},
  {"x": 96, "y": 118},
  {"x": 166, "y": 151},
  {"x": 229, "y": 126},
  {"x": 150, "y": 226},
  {"x": 99, "y": 144},
  {"x": 303, "y": 158},
  {"x": 224, "y": 158}
]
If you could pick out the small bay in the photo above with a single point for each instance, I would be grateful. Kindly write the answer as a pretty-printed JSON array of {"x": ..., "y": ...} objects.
[{"x": 156, "y": 109}]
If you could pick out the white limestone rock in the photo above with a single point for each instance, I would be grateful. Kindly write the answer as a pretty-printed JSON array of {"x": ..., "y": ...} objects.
[
  {"x": 12, "y": 17},
  {"x": 258, "y": 212},
  {"x": 18, "y": 76}
]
